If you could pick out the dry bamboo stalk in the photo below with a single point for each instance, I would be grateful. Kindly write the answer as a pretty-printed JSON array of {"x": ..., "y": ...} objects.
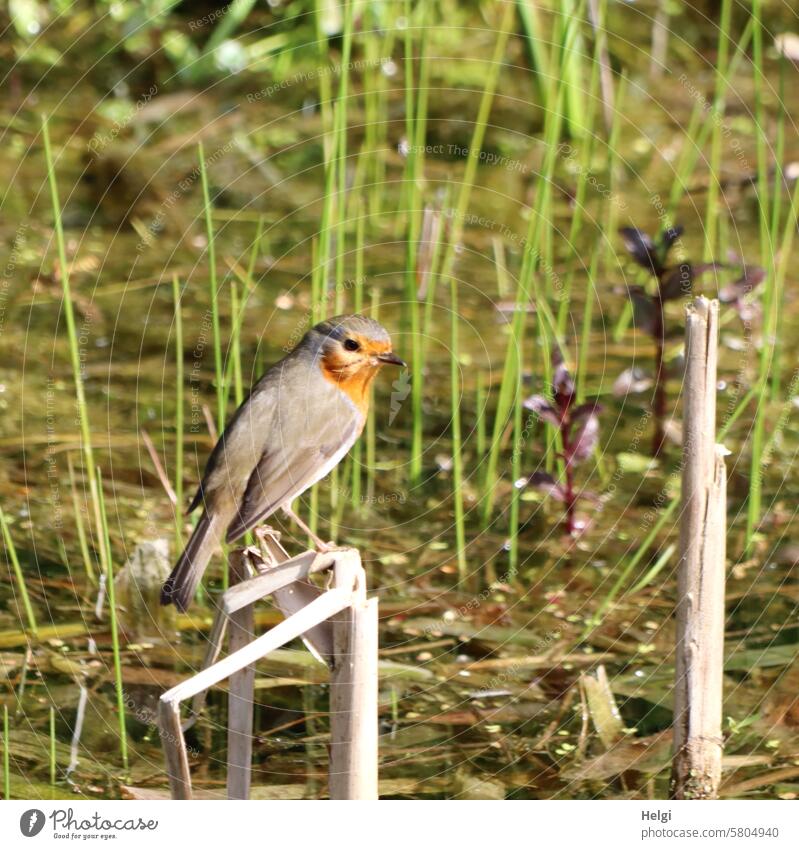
[
  {"x": 272, "y": 581},
  {"x": 327, "y": 605},
  {"x": 177, "y": 760},
  {"x": 319, "y": 639},
  {"x": 240, "y": 692},
  {"x": 353, "y": 694},
  {"x": 696, "y": 769},
  {"x": 354, "y": 704},
  {"x": 290, "y": 596}
]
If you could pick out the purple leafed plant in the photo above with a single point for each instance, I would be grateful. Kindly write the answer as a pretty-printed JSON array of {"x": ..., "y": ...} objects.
[
  {"x": 578, "y": 425},
  {"x": 672, "y": 281}
]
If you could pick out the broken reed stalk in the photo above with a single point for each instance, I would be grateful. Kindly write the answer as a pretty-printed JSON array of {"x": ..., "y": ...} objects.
[
  {"x": 696, "y": 768},
  {"x": 354, "y": 692},
  {"x": 241, "y": 688},
  {"x": 352, "y": 639}
]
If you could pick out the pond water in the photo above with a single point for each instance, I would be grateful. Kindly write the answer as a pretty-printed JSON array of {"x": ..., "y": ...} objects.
[{"x": 495, "y": 691}]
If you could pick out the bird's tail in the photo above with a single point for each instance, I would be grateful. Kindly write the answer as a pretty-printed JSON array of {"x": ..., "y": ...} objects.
[{"x": 180, "y": 586}]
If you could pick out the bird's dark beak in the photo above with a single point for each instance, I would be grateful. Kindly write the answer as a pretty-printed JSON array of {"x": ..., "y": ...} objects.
[{"x": 390, "y": 359}]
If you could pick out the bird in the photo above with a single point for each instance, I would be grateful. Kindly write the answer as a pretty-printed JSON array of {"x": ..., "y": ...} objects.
[{"x": 298, "y": 422}]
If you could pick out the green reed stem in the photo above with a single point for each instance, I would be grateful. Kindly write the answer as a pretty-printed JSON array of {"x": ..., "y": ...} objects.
[
  {"x": 476, "y": 146},
  {"x": 11, "y": 554},
  {"x": 209, "y": 229},
  {"x": 455, "y": 413},
  {"x": 770, "y": 303},
  {"x": 761, "y": 123},
  {"x": 686, "y": 161},
  {"x": 588, "y": 314},
  {"x": 432, "y": 279},
  {"x": 766, "y": 361},
  {"x": 317, "y": 293},
  {"x": 657, "y": 567},
  {"x": 776, "y": 217},
  {"x": 371, "y": 432},
  {"x": 179, "y": 422},
  {"x": 480, "y": 399},
  {"x": 6, "y": 756},
  {"x": 235, "y": 343},
  {"x": 357, "y": 450},
  {"x": 410, "y": 135},
  {"x": 52, "y": 747},
  {"x": 700, "y": 128},
  {"x": 416, "y": 133},
  {"x": 376, "y": 106},
  {"x": 717, "y": 115},
  {"x": 537, "y": 42},
  {"x": 237, "y": 314},
  {"x": 341, "y": 220},
  {"x": 325, "y": 98},
  {"x": 83, "y": 543},
  {"x": 586, "y": 156},
  {"x": 567, "y": 35},
  {"x": 69, "y": 313},
  {"x": 318, "y": 313},
  {"x": 114, "y": 626},
  {"x": 573, "y": 51},
  {"x": 527, "y": 280},
  {"x": 341, "y": 149},
  {"x": 254, "y": 251},
  {"x": 516, "y": 473}
]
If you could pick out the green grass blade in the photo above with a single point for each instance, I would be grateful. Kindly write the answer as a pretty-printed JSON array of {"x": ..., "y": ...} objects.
[
  {"x": 114, "y": 627},
  {"x": 213, "y": 282},
  {"x": 6, "y": 756},
  {"x": 455, "y": 413},
  {"x": 179, "y": 421},
  {"x": 52, "y": 747},
  {"x": 80, "y": 528},
  {"x": 11, "y": 554},
  {"x": 72, "y": 335}
]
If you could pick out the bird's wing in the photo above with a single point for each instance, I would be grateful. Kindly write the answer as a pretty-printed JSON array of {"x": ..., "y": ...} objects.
[
  {"x": 241, "y": 445},
  {"x": 289, "y": 466}
]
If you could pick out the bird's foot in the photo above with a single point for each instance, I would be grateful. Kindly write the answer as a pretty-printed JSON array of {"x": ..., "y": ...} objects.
[{"x": 319, "y": 544}]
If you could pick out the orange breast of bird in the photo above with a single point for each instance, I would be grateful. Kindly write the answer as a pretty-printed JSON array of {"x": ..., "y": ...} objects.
[
  {"x": 354, "y": 382},
  {"x": 355, "y": 385}
]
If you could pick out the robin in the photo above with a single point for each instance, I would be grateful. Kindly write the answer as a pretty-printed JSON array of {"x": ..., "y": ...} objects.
[{"x": 298, "y": 423}]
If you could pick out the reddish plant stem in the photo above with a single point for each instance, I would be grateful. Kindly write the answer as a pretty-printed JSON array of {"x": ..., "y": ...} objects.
[{"x": 659, "y": 403}]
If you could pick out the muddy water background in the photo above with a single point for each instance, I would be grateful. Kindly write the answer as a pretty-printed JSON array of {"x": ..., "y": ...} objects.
[{"x": 487, "y": 700}]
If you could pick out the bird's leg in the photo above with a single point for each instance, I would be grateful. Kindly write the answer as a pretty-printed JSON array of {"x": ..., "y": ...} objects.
[{"x": 319, "y": 543}]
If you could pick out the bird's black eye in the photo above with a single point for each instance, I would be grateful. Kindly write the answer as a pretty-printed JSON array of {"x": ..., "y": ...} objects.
[{"x": 351, "y": 345}]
